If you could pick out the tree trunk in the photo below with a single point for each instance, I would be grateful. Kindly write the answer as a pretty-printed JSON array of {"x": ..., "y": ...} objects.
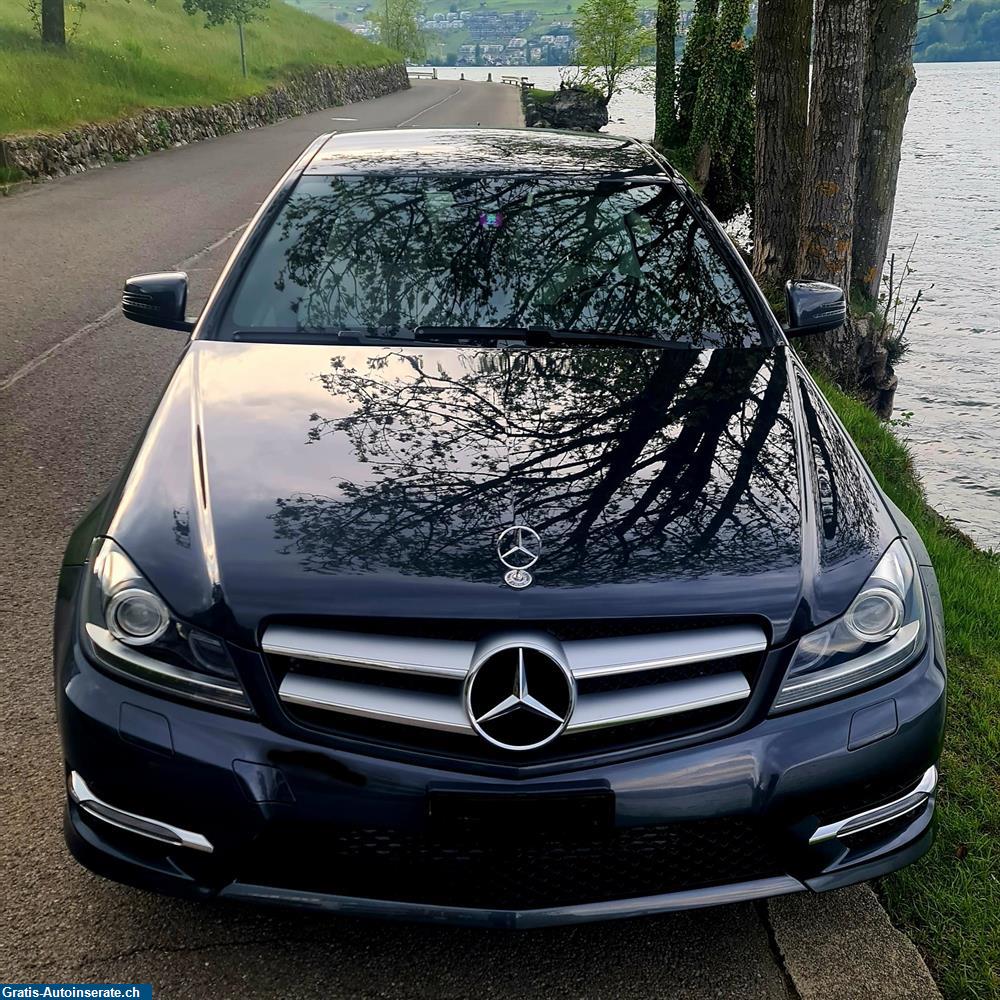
[
  {"x": 889, "y": 82},
  {"x": 243, "y": 51},
  {"x": 830, "y": 177},
  {"x": 53, "y": 22},
  {"x": 667, "y": 13},
  {"x": 781, "y": 82},
  {"x": 829, "y": 181}
]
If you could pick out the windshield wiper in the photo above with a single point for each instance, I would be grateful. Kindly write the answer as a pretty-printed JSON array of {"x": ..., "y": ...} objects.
[
  {"x": 532, "y": 336},
  {"x": 334, "y": 335},
  {"x": 538, "y": 336}
]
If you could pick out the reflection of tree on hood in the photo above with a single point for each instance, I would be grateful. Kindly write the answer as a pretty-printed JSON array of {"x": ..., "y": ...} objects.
[
  {"x": 388, "y": 251},
  {"x": 629, "y": 463}
]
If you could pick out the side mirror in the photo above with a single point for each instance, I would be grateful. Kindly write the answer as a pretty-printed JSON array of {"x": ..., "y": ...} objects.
[
  {"x": 814, "y": 306},
  {"x": 157, "y": 300}
]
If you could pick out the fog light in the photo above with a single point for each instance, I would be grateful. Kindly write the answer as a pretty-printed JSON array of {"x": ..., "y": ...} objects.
[{"x": 136, "y": 617}]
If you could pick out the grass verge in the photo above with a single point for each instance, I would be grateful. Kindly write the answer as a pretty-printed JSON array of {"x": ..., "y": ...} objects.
[
  {"x": 132, "y": 55},
  {"x": 949, "y": 902},
  {"x": 10, "y": 175}
]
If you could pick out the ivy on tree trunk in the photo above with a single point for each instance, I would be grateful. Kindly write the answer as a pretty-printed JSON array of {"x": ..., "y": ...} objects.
[
  {"x": 667, "y": 14},
  {"x": 714, "y": 103},
  {"x": 697, "y": 52}
]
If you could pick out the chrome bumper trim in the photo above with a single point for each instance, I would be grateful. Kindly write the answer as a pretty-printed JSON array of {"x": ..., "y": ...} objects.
[
  {"x": 154, "y": 829},
  {"x": 516, "y": 919},
  {"x": 880, "y": 814}
]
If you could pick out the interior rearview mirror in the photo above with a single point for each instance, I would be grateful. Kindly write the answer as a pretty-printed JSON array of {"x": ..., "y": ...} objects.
[
  {"x": 158, "y": 300},
  {"x": 814, "y": 306}
]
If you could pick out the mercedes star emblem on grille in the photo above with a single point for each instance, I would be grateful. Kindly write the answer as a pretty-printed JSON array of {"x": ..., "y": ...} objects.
[
  {"x": 519, "y": 698},
  {"x": 518, "y": 548}
]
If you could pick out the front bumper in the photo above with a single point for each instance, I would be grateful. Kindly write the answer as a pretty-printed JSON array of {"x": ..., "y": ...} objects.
[{"x": 273, "y": 810}]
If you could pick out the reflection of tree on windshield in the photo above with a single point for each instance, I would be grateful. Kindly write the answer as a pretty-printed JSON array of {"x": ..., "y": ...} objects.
[
  {"x": 630, "y": 464},
  {"x": 398, "y": 251}
]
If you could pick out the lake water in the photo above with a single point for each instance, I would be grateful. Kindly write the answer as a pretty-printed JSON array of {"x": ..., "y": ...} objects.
[{"x": 948, "y": 211}]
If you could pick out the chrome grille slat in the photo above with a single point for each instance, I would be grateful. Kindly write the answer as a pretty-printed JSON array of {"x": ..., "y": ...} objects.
[
  {"x": 600, "y": 657},
  {"x": 433, "y": 657},
  {"x": 445, "y": 712},
  {"x": 618, "y": 708},
  {"x": 451, "y": 658},
  {"x": 412, "y": 708}
]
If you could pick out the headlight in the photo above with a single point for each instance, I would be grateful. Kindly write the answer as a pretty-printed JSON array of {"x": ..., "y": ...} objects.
[
  {"x": 878, "y": 634},
  {"x": 131, "y": 631}
]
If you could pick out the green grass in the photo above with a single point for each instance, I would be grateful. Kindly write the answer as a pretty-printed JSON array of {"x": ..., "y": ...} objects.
[
  {"x": 949, "y": 902},
  {"x": 132, "y": 55},
  {"x": 10, "y": 175}
]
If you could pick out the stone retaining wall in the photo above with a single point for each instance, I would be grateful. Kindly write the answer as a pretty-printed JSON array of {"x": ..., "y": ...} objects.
[{"x": 160, "y": 128}]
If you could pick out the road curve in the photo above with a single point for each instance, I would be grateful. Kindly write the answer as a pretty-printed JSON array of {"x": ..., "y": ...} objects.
[{"x": 76, "y": 386}]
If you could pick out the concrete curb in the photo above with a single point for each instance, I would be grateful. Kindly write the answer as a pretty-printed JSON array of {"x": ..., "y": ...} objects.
[{"x": 843, "y": 945}]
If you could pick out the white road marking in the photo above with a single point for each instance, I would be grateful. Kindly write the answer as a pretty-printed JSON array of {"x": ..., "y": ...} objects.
[
  {"x": 28, "y": 367},
  {"x": 343, "y": 119},
  {"x": 431, "y": 108}
]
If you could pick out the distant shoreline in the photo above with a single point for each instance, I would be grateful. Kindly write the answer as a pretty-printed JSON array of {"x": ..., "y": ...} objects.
[{"x": 447, "y": 65}]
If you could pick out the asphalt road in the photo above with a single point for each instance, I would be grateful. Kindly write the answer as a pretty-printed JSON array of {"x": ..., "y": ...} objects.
[{"x": 76, "y": 386}]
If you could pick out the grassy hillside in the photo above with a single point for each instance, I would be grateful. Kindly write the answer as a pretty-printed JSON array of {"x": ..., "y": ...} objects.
[
  {"x": 132, "y": 54},
  {"x": 949, "y": 901}
]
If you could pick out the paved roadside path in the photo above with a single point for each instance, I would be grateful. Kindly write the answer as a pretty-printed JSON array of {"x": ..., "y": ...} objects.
[
  {"x": 66, "y": 245},
  {"x": 76, "y": 385}
]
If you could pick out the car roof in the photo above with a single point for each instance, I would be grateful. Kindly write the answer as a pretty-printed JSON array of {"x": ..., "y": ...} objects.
[{"x": 481, "y": 151}]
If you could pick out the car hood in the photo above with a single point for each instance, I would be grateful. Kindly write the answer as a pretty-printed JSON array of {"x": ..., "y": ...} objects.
[{"x": 327, "y": 483}]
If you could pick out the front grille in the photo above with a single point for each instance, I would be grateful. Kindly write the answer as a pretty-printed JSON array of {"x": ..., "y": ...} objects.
[
  {"x": 634, "y": 686},
  {"x": 512, "y": 872}
]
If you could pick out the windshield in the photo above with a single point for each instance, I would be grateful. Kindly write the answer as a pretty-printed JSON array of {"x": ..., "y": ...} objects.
[{"x": 390, "y": 256}]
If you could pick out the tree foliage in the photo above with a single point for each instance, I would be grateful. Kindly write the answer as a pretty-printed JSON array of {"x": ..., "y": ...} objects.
[
  {"x": 610, "y": 41},
  {"x": 218, "y": 12},
  {"x": 398, "y": 29}
]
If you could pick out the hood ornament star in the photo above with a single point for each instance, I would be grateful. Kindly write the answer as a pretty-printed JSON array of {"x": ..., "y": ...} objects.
[{"x": 518, "y": 548}]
